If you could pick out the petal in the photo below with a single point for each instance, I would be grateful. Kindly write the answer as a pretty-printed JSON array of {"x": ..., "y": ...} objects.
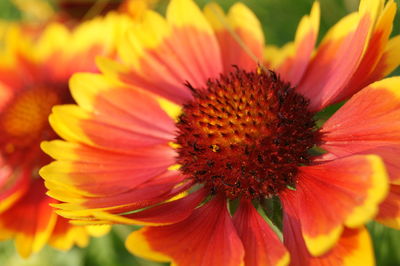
[
  {"x": 98, "y": 230},
  {"x": 353, "y": 248},
  {"x": 294, "y": 64},
  {"x": 191, "y": 27},
  {"x": 351, "y": 187},
  {"x": 167, "y": 213},
  {"x": 388, "y": 62},
  {"x": 241, "y": 43},
  {"x": 13, "y": 184},
  {"x": 29, "y": 221},
  {"x": 77, "y": 125},
  {"x": 261, "y": 244},
  {"x": 207, "y": 237},
  {"x": 52, "y": 40},
  {"x": 90, "y": 39},
  {"x": 101, "y": 173},
  {"x": 389, "y": 210},
  {"x": 378, "y": 107},
  {"x": 374, "y": 52},
  {"x": 161, "y": 55},
  {"x": 97, "y": 94},
  {"x": 79, "y": 206},
  {"x": 338, "y": 56},
  {"x": 65, "y": 235},
  {"x": 5, "y": 93},
  {"x": 275, "y": 56}
]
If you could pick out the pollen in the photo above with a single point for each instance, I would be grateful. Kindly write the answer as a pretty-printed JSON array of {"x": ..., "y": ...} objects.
[
  {"x": 27, "y": 114},
  {"x": 245, "y": 135}
]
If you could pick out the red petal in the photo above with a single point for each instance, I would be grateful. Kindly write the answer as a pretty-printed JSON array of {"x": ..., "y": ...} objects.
[
  {"x": 118, "y": 105},
  {"x": 163, "y": 73},
  {"x": 341, "y": 192},
  {"x": 164, "y": 54},
  {"x": 378, "y": 107},
  {"x": 389, "y": 210},
  {"x": 353, "y": 248},
  {"x": 167, "y": 213},
  {"x": 293, "y": 67},
  {"x": 153, "y": 192},
  {"x": 336, "y": 60},
  {"x": 89, "y": 169},
  {"x": 65, "y": 235},
  {"x": 261, "y": 244},
  {"x": 376, "y": 47},
  {"x": 13, "y": 184},
  {"x": 389, "y": 61},
  {"x": 77, "y": 125},
  {"x": 30, "y": 220},
  {"x": 207, "y": 237},
  {"x": 241, "y": 43}
]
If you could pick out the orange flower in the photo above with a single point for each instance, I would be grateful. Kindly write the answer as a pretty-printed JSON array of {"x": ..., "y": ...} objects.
[
  {"x": 191, "y": 138},
  {"x": 34, "y": 73}
]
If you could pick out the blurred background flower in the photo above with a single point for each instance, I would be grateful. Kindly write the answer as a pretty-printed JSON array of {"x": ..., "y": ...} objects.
[
  {"x": 37, "y": 59},
  {"x": 279, "y": 19}
]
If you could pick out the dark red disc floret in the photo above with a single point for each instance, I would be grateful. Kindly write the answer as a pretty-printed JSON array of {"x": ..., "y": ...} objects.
[{"x": 245, "y": 135}]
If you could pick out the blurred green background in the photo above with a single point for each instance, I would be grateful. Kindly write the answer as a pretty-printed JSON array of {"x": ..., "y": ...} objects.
[{"x": 279, "y": 19}]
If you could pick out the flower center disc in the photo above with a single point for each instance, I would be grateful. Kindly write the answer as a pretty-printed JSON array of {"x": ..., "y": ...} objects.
[
  {"x": 245, "y": 135},
  {"x": 27, "y": 114}
]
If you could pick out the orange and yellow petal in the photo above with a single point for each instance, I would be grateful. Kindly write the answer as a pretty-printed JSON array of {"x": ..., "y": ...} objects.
[
  {"x": 89, "y": 169},
  {"x": 333, "y": 194},
  {"x": 12, "y": 81},
  {"x": 274, "y": 56},
  {"x": 13, "y": 183},
  {"x": 354, "y": 246},
  {"x": 239, "y": 35},
  {"x": 82, "y": 199},
  {"x": 388, "y": 62},
  {"x": 77, "y": 125},
  {"x": 30, "y": 221},
  {"x": 97, "y": 94},
  {"x": 375, "y": 50},
  {"x": 207, "y": 237},
  {"x": 261, "y": 244},
  {"x": 293, "y": 61},
  {"x": 52, "y": 40},
  {"x": 162, "y": 54},
  {"x": 338, "y": 56},
  {"x": 90, "y": 39},
  {"x": 163, "y": 214},
  {"x": 389, "y": 210},
  {"x": 377, "y": 106},
  {"x": 17, "y": 41},
  {"x": 66, "y": 235},
  {"x": 5, "y": 93},
  {"x": 86, "y": 41}
]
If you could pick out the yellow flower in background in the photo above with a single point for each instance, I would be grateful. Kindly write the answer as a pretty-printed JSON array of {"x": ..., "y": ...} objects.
[
  {"x": 189, "y": 111},
  {"x": 86, "y": 9},
  {"x": 35, "y": 67},
  {"x": 71, "y": 12},
  {"x": 39, "y": 11}
]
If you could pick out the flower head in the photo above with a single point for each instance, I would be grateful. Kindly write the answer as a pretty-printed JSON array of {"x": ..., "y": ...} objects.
[
  {"x": 192, "y": 136},
  {"x": 34, "y": 72}
]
